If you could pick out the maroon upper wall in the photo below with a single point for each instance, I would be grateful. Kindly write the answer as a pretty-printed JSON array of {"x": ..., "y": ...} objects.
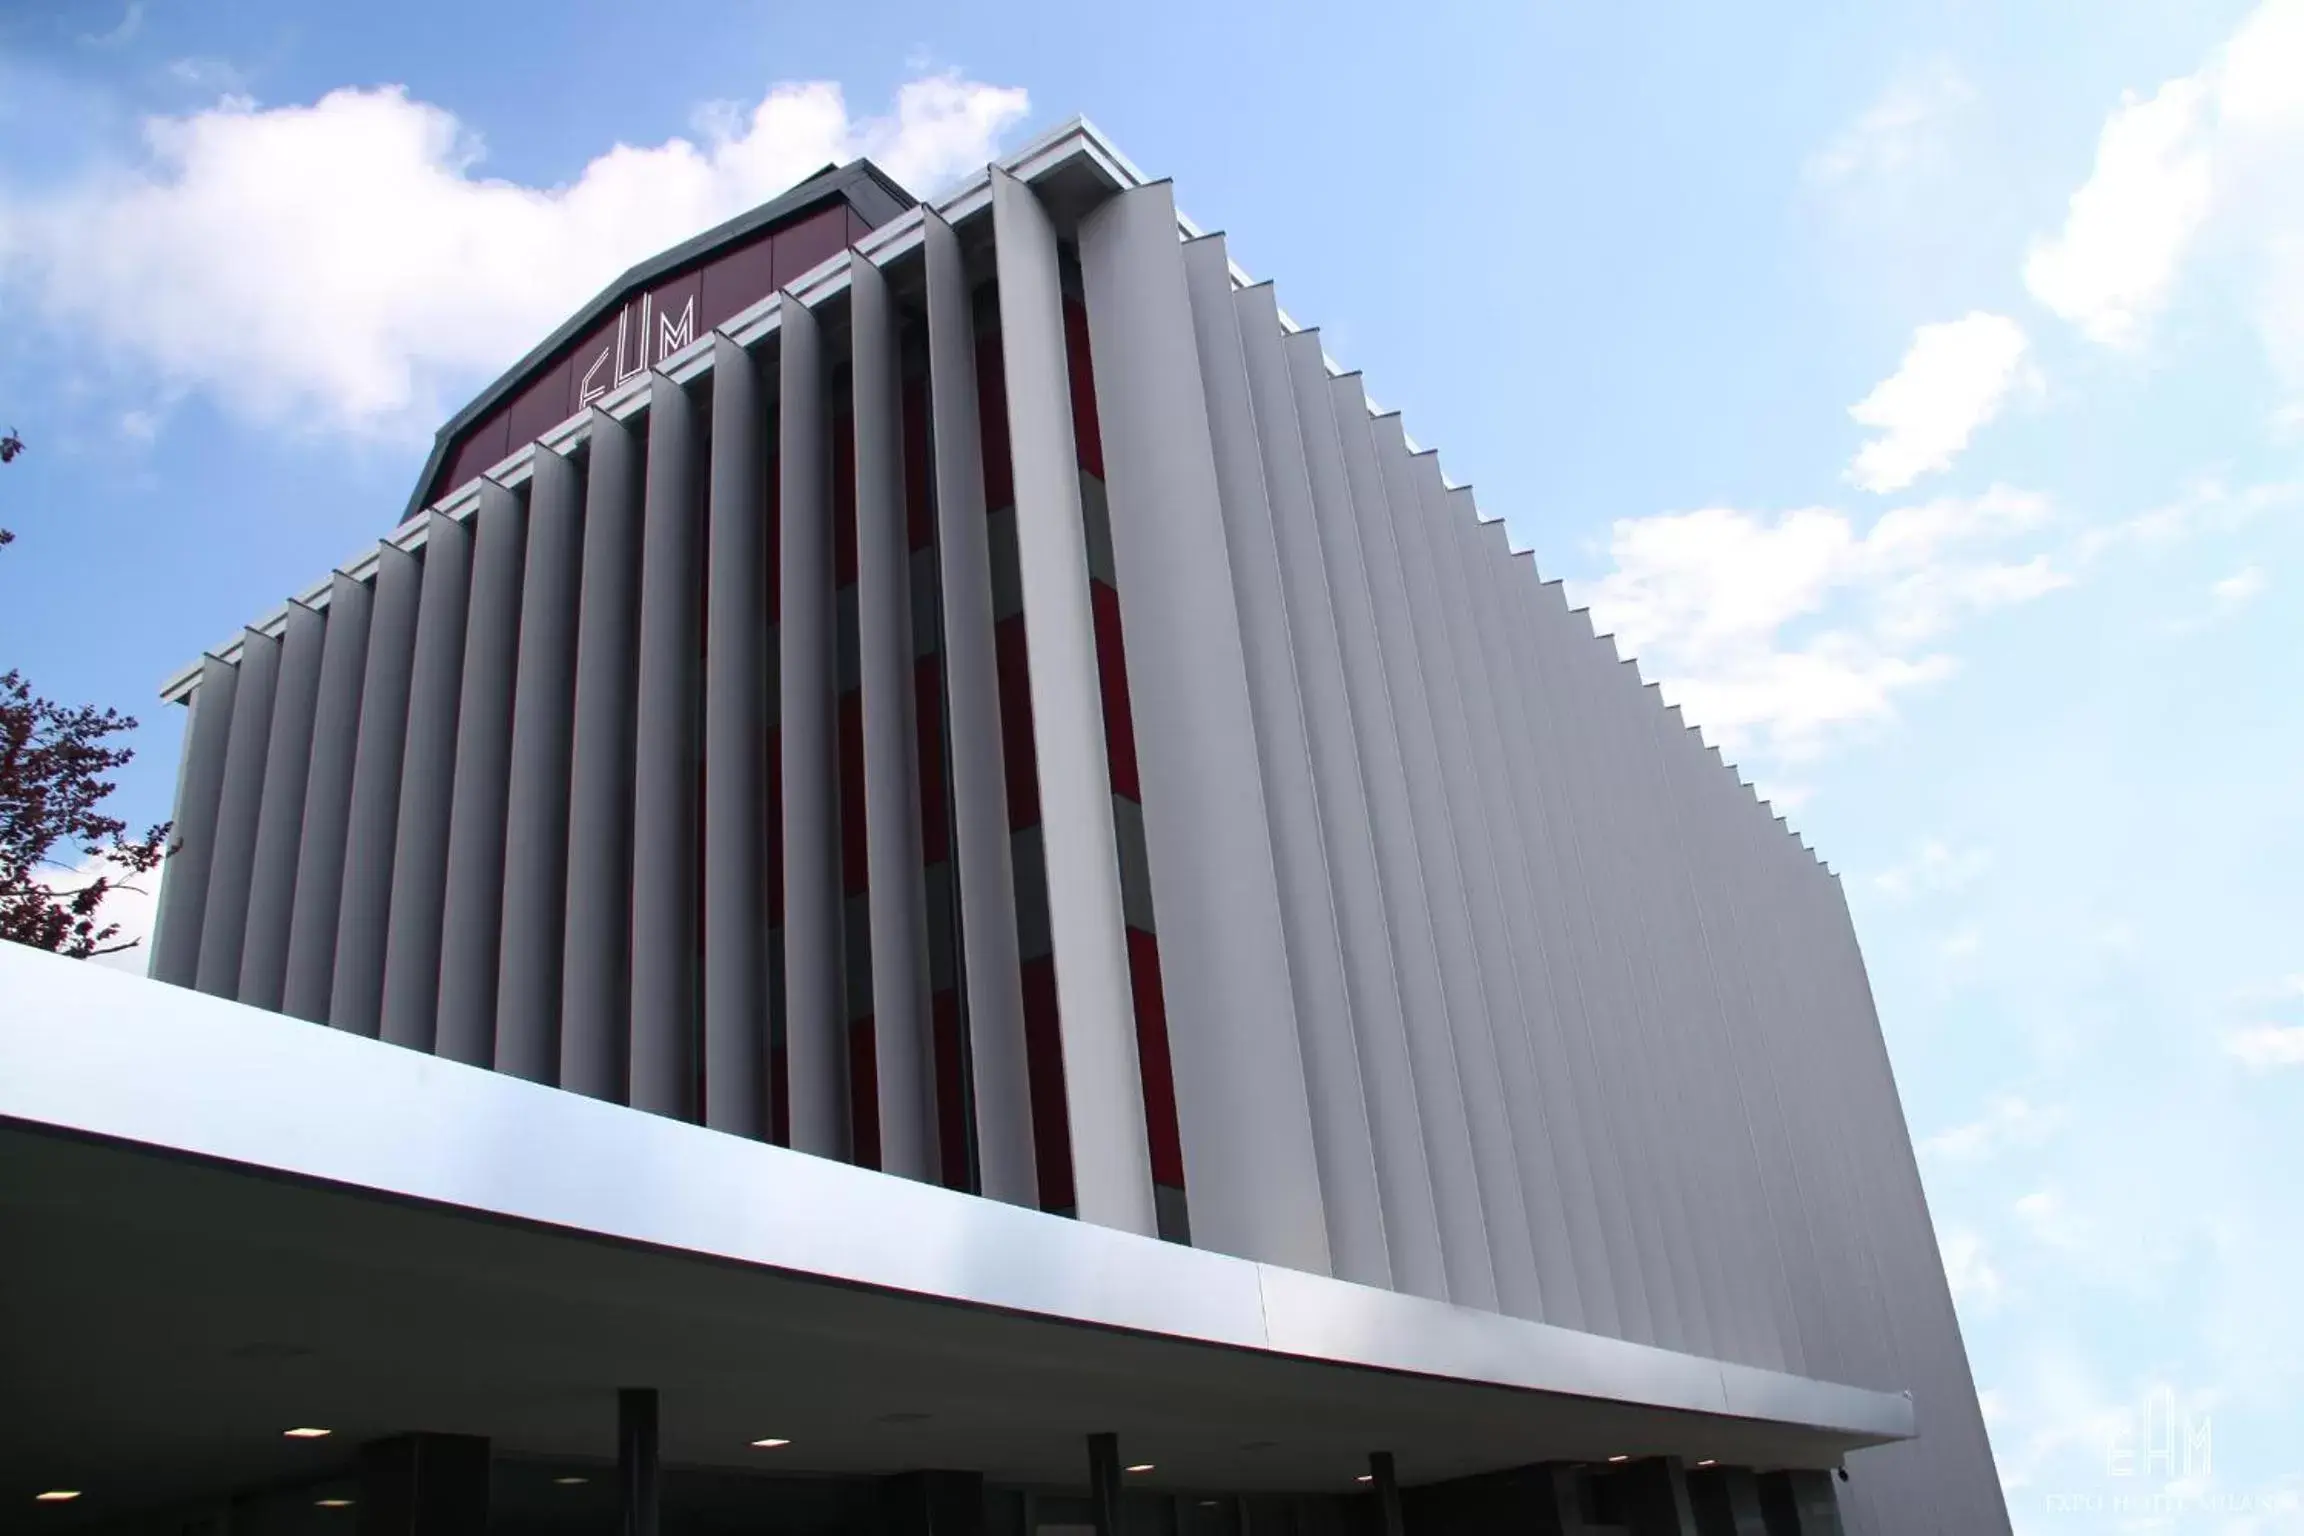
[{"x": 652, "y": 323}]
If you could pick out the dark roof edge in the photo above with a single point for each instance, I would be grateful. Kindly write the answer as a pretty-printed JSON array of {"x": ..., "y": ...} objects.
[{"x": 865, "y": 187}]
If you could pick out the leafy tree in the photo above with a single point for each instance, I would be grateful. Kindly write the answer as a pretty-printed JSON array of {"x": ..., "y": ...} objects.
[{"x": 54, "y": 763}]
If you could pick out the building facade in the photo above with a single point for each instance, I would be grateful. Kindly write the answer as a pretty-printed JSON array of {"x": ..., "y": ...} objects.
[{"x": 972, "y": 694}]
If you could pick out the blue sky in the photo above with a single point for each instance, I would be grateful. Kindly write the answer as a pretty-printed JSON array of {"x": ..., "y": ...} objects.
[{"x": 1917, "y": 389}]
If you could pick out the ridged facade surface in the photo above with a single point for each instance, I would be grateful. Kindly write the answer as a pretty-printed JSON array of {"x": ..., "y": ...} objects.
[{"x": 1018, "y": 718}]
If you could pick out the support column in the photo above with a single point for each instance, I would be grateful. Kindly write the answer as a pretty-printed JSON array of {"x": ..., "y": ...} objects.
[
  {"x": 815, "y": 1007},
  {"x": 1726, "y": 1501},
  {"x": 932, "y": 1504},
  {"x": 311, "y": 965},
  {"x": 1387, "y": 1478},
  {"x": 424, "y": 1485},
  {"x": 224, "y": 924},
  {"x": 192, "y": 842},
  {"x": 736, "y": 751},
  {"x": 639, "y": 1469},
  {"x": 1104, "y": 1482},
  {"x": 1652, "y": 1498},
  {"x": 1799, "y": 1502},
  {"x": 663, "y": 1065},
  {"x": 903, "y": 1043},
  {"x": 1103, "y": 1083},
  {"x": 983, "y": 855},
  {"x": 471, "y": 925},
  {"x": 287, "y": 765}
]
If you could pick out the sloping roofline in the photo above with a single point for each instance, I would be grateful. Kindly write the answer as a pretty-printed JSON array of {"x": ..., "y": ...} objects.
[{"x": 872, "y": 192}]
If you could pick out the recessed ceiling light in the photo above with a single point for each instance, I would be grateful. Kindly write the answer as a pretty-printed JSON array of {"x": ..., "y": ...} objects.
[
  {"x": 1142, "y": 1466},
  {"x": 332, "y": 1503},
  {"x": 1614, "y": 1459},
  {"x": 1707, "y": 1462},
  {"x": 1209, "y": 1503},
  {"x": 570, "y": 1482},
  {"x": 306, "y": 1432},
  {"x": 57, "y": 1496},
  {"x": 769, "y": 1444}
]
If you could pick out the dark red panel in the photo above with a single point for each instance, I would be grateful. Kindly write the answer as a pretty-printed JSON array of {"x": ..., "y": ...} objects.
[
  {"x": 540, "y": 407},
  {"x": 863, "y": 1094},
  {"x": 992, "y": 423},
  {"x": 1088, "y": 437},
  {"x": 734, "y": 281},
  {"x": 857, "y": 228},
  {"x": 481, "y": 450},
  {"x": 1016, "y": 754},
  {"x": 852, "y": 866},
  {"x": 1044, "y": 1070},
  {"x": 1152, "y": 1058},
  {"x": 802, "y": 246},
  {"x": 843, "y": 501},
  {"x": 928, "y": 711},
  {"x": 919, "y": 514},
  {"x": 951, "y": 1111},
  {"x": 1112, "y": 673}
]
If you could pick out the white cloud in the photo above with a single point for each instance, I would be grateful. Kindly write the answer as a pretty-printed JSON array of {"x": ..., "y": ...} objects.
[
  {"x": 1969, "y": 1271},
  {"x": 2209, "y": 506},
  {"x": 346, "y": 262},
  {"x": 122, "y": 32},
  {"x": 1960, "y": 943},
  {"x": 2237, "y": 590},
  {"x": 2208, "y": 161},
  {"x": 1783, "y": 631},
  {"x": 2128, "y": 227},
  {"x": 1898, "y": 132},
  {"x": 2267, "y": 1047},
  {"x": 2011, "y": 1121},
  {"x": 1954, "y": 378},
  {"x": 1934, "y": 866}
]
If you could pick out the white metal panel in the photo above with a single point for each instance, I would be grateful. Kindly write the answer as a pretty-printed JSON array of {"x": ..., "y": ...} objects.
[
  {"x": 356, "y": 983},
  {"x": 224, "y": 921},
  {"x": 992, "y": 977},
  {"x": 536, "y": 798},
  {"x": 595, "y": 974},
  {"x": 1437, "y": 608},
  {"x": 815, "y": 1008},
  {"x": 1323, "y": 1012},
  {"x": 736, "y": 725},
  {"x": 471, "y": 928},
  {"x": 903, "y": 1042},
  {"x": 1349, "y": 493},
  {"x": 1241, "y": 1103},
  {"x": 427, "y": 788},
  {"x": 1103, "y": 1086},
  {"x": 1550, "y": 1122},
  {"x": 327, "y": 802},
  {"x": 287, "y": 768},
  {"x": 1379, "y": 452},
  {"x": 669, "y": 754},
  {"x": 1339, "y": 801}
]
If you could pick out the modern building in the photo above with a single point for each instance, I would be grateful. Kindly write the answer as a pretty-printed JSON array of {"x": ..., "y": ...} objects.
[{"x": 939, "y": 886}]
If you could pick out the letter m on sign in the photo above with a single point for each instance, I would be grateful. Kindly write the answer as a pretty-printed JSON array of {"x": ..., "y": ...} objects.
[{"x": 673, "y": 334}]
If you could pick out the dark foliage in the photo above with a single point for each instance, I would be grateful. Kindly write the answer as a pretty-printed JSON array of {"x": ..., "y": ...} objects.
[{"x": 54, "y": 763}]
